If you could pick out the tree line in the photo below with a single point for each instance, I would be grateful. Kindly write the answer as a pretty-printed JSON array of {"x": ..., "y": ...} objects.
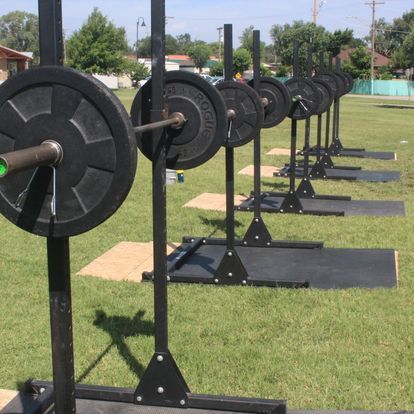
[{"x": 101, "y": 47}]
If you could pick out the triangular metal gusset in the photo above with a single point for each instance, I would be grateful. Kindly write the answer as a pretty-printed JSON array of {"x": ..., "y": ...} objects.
[
  {"x": 162, "y": 383},
  {"x": 318, "y": 171},
  {"x": 231, "y": 270},
  {"x": 257, "y": 234},
  {"x": 305, "y": 189},
  {"x": 291, "y": 204}
]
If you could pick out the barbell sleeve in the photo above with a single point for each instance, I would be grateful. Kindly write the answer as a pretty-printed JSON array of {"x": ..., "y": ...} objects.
[
  {"x": 48, "y": 153},
  {"x": 175, "y": 120}
]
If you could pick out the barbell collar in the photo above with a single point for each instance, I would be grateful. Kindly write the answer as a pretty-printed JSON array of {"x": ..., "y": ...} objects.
[
  {"x": 48, "y": 153},
  {"x": 265, "y": 102}
]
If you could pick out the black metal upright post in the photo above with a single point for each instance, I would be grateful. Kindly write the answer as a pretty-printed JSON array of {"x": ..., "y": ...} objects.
[
  {"x": 228, "y": 76},
  {"x": 294, "y": 125},
  {"x": 328, "y": 113},
  {"x": 230, "y": 269},
  {"x": 159, "y": 192},
  {"x": 338, "y": 68},
  {"x": 335, "y": 107},
  {"x": 257, "y": 234},
  {"x": 308, "y": 120},
  {"x": 319, "y": 131},
  {"x": 292, "y": 203},
  {"x": 162, "y": 383},
  {"x": 58, "y": 255},
  {"x": 305, "y": 188},
  {"x": 257, "y": 139}
]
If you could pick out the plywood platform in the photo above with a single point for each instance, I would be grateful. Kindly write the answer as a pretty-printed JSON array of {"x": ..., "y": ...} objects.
[
  {"x": 6, "y": 396},
  {"x": 279, "y": 151},
  {"x": 266, "y": 171},
  {"x": 124, "y": 262},
  {"x": 213, "y": 201}
]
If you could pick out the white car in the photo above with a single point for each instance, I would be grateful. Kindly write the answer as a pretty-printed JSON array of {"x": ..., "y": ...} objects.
[{"x": 142, "y": 82}]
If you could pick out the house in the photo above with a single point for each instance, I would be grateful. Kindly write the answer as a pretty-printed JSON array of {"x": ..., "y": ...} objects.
[
  {"x": 380, "y": 60},
  {"x": 12, "y": 62},
  {"x": 184, "y": 62}
]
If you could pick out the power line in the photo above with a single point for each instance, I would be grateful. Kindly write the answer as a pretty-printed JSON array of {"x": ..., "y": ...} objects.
[{"x": 373, "y": 5}]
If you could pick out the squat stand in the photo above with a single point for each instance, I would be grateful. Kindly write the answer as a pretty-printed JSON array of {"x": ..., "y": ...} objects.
[
  {"x": 162, "y": 384},
  {"x": 259, "y": 261},
  {"x": 336, "y": 148},
  {"x": 326, "y": 170}
]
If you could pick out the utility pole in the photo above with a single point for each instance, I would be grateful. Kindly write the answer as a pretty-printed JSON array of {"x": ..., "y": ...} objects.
[
  {"x": 373, "y": 5},
  {"x": 220, "y": 29},
  {"x": 315, "y": 11}
]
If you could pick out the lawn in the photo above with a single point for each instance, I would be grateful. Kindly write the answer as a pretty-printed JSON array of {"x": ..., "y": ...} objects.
[{"x": 339, "y": 349}]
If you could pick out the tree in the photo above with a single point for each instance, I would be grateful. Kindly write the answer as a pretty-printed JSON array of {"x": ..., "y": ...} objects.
[
  {"x": 339, "y": 39},
  {"x": 184, "y": 43},
  {"x": 171, "y": 46},
  {"x": 241, "y": 60},
  {"x": 20, "y": 31},
  {"x": 359, "y": 65},
  {"x": 304, "y": 33},
  {"x": 265, "y": 71},
  {"x": 246, "y": 41},
  {"x": 98, "y": 46},
  {"x": 135, "y": 70},
  {"x": 199, "y": 53},
  {"x": 217, "y": 69},
  {"x": 308, "y": 33},
  {"x": 215, "y": 48},
  {"x": 408, "y": 50}
]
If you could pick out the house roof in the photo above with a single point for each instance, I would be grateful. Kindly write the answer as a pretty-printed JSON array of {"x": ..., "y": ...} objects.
[
  {"x": 380, "y": 60},
  {"x": 178, "y": 58},
  {"x": 8, "y": 53}
]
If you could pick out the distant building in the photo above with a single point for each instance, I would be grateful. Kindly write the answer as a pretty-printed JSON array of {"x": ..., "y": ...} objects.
[
  {"x": 380, "y": 60},
  {"x": 184, "y": 62},
  {"x": 12, "y": 62}
]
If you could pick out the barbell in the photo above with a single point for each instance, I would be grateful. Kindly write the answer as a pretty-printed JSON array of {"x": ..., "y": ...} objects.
[
  {"x": 69, "y": 151},
  {"x": 230, "y": 115}
]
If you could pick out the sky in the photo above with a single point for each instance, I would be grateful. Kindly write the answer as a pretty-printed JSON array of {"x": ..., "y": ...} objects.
[{"x": 201, "y": 18}]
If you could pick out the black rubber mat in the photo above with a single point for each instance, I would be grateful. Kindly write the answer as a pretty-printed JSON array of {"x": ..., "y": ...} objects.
[
  {"x": 107, "y": 407},
  {"x": 104, "y": 407},
  {"x": 351, "y": 175},
  {"x": 376, "y": 155},
  {"x": 271, "y": 204},
  {"x": 323, "y": 268},
  {"x": 368, "y": 154}
]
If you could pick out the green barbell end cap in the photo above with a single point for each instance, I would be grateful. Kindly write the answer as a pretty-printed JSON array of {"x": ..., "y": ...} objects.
[{"x": 3, "y": 168}]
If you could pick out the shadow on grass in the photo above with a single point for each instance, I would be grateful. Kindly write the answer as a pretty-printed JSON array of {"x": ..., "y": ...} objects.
[
  {"x": 120, "y": 328},
  {"x": 276, "y": 185},
  {"x": 218, "y": 224}
]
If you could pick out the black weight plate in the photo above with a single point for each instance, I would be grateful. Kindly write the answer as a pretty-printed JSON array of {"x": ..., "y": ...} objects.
[
  {"x": 278, "y": 98},
  {"x": 334, "y": 82},
  {"x": 98, "y": 142},
  {"x": 350, "y": 81},
  {"x": 246, "y": 104},
  {"x": 343, "y": 80},
  {"x": 310, "y": 97},
  {"x": 202, "y": 106},
  {"x": 326, "y": 94}
]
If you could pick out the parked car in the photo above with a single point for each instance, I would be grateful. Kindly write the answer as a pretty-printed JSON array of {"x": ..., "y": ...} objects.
[
  {"x": 142, "y": 82},
  {"x": 206, "y": 77},
  {"x": 215, "y": 80}
]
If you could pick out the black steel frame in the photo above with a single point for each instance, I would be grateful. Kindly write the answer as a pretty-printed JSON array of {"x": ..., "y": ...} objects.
[
  {"x": 292, "y": 199},
  {"x": 162, "y": 383},
  {"x": 231, "y": 270}
]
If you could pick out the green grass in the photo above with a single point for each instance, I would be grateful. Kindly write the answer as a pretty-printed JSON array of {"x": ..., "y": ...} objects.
[{"x": 350, "y": 349}]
